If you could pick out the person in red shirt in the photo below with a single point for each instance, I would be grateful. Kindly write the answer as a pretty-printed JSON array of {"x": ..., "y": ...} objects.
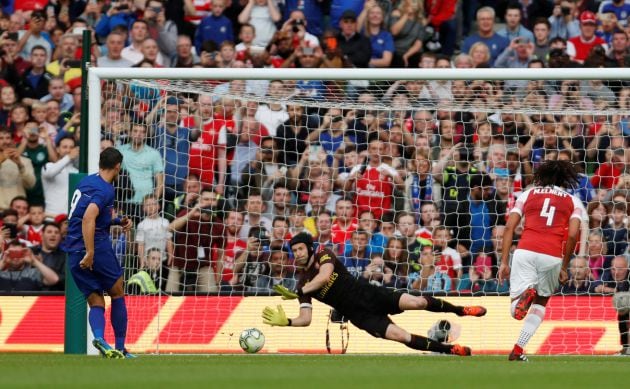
[
  {"x": 345, "y": 223},
  {"x": 228, "y": 266},
  {"x": 550, "y": 233},
  {"x": 580, "y": 46},
  {"x": 208, "y": 154},
  {"x": 374, "y": 183},
  {"x": 607, "y": 174}
]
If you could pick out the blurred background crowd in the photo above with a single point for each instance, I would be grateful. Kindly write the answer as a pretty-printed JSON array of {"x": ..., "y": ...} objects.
[{"x": 409, "y": 182}]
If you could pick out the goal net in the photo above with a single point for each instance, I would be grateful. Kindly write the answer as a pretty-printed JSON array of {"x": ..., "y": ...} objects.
[{"x": 408, "y": 176}]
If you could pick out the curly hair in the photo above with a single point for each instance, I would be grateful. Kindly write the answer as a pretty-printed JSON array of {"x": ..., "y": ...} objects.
[{"x": 558, "y": 173}]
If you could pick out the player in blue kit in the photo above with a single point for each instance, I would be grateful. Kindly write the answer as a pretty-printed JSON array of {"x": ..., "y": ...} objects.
[{"x": 93, "y": 263}]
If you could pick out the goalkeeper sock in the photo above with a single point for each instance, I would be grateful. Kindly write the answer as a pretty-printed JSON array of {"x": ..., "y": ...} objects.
[
  {"x": 119, "y": 321},
  {"x": 418, "y": 342},
  {"x": 439, "y": 305},
  {"x": 531, "y": 323},
  {"x": 623, "y": 328},
  {"x": 96, "y": 317}
]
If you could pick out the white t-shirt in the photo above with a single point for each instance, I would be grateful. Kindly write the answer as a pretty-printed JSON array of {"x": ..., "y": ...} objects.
[
  {"x": 55, "y": 176},
  {"x": 265, "y": 27},
  {"x": 154, "y": 232},
  {"x": 271, "y": 119}
]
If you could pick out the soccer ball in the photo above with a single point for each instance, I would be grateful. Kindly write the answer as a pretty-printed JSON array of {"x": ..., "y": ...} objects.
[{"x": 251, "y": 340}]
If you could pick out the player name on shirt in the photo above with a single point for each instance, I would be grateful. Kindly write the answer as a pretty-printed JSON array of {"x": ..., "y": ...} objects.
[{"x": 552, "y": 191}]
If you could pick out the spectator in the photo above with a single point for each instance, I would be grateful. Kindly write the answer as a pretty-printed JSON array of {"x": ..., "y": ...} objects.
[
  {"x": 196, "y": 237},
  {"x": 115, "y": 43},
  {"x": 153, "y": 233},
  {"x": 485, "y": 25},
  {"x": 563, "y": 22},
  {"x": 191, "y": 189},
  {"x": 52, "y": 255},
  {"x": 399, "y": 264},
  {"x": 596, "y": 250},
  {"x": 580, "y": 46},
  {"x": 55, "y": 176},
  {"x": 616, "y": 233},
  {"x": 372, "y": 24},
  {"x": 39, "y": 149},
  {"x": 374, "y": 183},
  {"x": 245, "y": 152},
  {"x": 262, "y": 15},
  {"x": 620, "y": 8},
  {"x": 22, "y": 271},
  {"x": 67, "y": 65},
  {"x": 216, "y": 27},
  {"x": 232, "y": 247},
  {"x": 32, "y": 224},
  {"x": 441, "y": 16},
  {"x": 517, "y": 55},
  {"x": 356, "y": 47},
  {"x": 34, "y": 83},
  {"x": 513, "y": 27},
  {"x": 279, "y": 236},
  {"x": 356, "y": 256},
  {"x": 254, "y": 209},
  {"x": 57, "y": 92},
  {"x": 145, "y": 167},
  {"x": 148, "y": 280},
  {"x": 615, "y": 278},
  {"x": 279, "y": 273},
  {"x": 292, "y": 134},
  {"x": 184, "y": 56},
  {"x": 263, "y": 172},
  {"x": 480, "y": 55},
  {"x": 378, "y": 241},
  {"x": 16, "y": 172},
  {"x": 542, "y": 31},
  {"x": 407, "y": 27},
  {"x": 138, "y": 33},
  {"x": 35, "y": 36},
  {"x": 12, "y": 58},
  {"x": 160, "y": 28},
  {"x": 254, "y": 260},
  {"x": 344, "y": 224},
  {"x": 607, "y": 174},
  {"x": 616, "y": 55},
  {"x": 121, "y": 12},
  {"x": 310, "y": 11},
  {"x": 172, "y": 141}
]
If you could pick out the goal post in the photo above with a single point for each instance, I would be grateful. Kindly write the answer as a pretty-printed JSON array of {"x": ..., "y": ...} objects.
[{"x": 208, "y": 318}]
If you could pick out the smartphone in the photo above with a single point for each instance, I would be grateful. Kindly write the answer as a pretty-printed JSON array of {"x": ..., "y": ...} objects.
[
  {"x": 12, "y": 36},
  {"x": 314, "y": 152},
  {"x": 13, "y": 230},
  {"x": 73, "y": 63}
]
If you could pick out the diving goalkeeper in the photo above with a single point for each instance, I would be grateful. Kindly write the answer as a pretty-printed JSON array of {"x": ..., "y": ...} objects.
[{"x": 323, "y": 277}]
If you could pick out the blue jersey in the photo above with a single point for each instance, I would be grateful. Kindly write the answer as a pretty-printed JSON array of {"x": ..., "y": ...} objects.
[{"x": 91, "y": 189}]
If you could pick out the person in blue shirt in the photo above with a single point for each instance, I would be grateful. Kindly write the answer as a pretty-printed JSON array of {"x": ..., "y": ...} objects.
[
  {"x": 485, "y": 24},
  {"x": 215, "y": 27},
  {"x": 311, "y": 9},
  {"x": 119, "y": 13},
  {"x": 92, "y": 260},
  {"x": 621, "y": 9},
  {"x": 357, "y": 253}
]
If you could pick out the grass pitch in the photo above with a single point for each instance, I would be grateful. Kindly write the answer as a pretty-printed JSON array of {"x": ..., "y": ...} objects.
[{"x": 310, "y": 371}]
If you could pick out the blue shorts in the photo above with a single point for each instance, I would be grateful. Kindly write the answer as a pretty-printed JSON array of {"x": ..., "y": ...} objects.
[{"x": 106, "y": 270}]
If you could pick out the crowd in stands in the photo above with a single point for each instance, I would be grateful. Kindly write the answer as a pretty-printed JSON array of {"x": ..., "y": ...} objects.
[{"x": 412, "y": 197}]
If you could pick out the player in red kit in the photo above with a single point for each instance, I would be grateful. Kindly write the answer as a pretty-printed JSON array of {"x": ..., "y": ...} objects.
[{"x": 550, "y": 232}]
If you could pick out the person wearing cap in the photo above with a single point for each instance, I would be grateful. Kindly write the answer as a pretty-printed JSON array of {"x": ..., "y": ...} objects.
[
  {"x": 354, "y": 46},
  {"x": 323, "y": 277},
  {"x": 513, "y": 27},
  {"x": 580, "y": 46}
]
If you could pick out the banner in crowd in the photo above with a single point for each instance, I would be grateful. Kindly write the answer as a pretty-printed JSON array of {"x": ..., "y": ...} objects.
[{"x": 164, "y": 324}]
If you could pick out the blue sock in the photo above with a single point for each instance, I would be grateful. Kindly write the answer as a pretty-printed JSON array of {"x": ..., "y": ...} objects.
[
  {"x": 96, "y": 317},
  {"x": 119, "y": 321}
]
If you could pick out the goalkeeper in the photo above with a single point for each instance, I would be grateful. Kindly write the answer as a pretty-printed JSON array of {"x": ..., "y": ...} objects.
[{"x": 323, "y": 277}]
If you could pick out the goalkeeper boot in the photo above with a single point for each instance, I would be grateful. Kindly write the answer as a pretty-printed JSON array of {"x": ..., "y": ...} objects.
[
  {"x": 127, "y": 354},
  {"x": 106, "y": 350},
  {"x": 474, "y": 310},
  {"x": 524, "y": 302},
  {"x": 517, "y": 355},
  {"x": 460, "y": 350}
]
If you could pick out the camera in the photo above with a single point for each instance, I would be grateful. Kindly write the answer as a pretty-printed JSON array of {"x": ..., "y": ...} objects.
[
  {"x": 122, "y": 7},
  {"x": 73, "y": 63},
  {"x": 432, "y": 39},
  {"x": 261, "y": 234},
  {"x": 337, "y": 119},
  {"x": 296, "y": 25}
]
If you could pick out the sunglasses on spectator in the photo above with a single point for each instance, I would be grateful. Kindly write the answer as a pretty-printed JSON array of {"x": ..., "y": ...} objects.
[{"x": 266, "y": 150}]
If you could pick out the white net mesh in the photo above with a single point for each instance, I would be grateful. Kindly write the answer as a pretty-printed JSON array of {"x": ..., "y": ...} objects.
[{"x": 378, "y": 171}]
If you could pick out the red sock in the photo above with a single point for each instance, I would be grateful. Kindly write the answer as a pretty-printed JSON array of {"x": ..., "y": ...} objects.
[{"x": 518, "y": 350}]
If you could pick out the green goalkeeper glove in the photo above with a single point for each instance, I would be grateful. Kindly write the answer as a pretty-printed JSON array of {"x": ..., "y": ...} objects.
[
  {"x": 285, "y": 292},
  {"x": 275, "y": 318}
]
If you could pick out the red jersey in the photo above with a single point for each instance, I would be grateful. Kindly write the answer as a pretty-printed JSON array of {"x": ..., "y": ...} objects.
[
  {"x": 204, "y": 152},
  {"x": 339, "y": 235},
  {"x": 579, "y": 49},
  {"x": 547, "y": 212},
  {"x": 33, "y": 234},
  {"x": 203, "y": 8},
  {"x": 374, "y": 192},
  {"x": 231, "y": 251}
]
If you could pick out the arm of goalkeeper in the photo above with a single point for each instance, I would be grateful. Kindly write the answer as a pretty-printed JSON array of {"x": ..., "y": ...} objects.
[
  {"x": 621, "y": 302},
  {"x": 275, "y": 318}
]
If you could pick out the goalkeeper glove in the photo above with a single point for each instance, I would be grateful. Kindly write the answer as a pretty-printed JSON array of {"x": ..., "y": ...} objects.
[
  {"x": 275, "y": 318},
  {"x": 286, "y": 293}
]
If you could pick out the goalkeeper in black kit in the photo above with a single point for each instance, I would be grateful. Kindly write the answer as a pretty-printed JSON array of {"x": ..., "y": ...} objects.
[{"x": 323, "y": 277}]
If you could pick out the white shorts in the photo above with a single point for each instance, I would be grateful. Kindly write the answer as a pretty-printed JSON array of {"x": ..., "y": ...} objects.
[{"x": 531, "y": 269}]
